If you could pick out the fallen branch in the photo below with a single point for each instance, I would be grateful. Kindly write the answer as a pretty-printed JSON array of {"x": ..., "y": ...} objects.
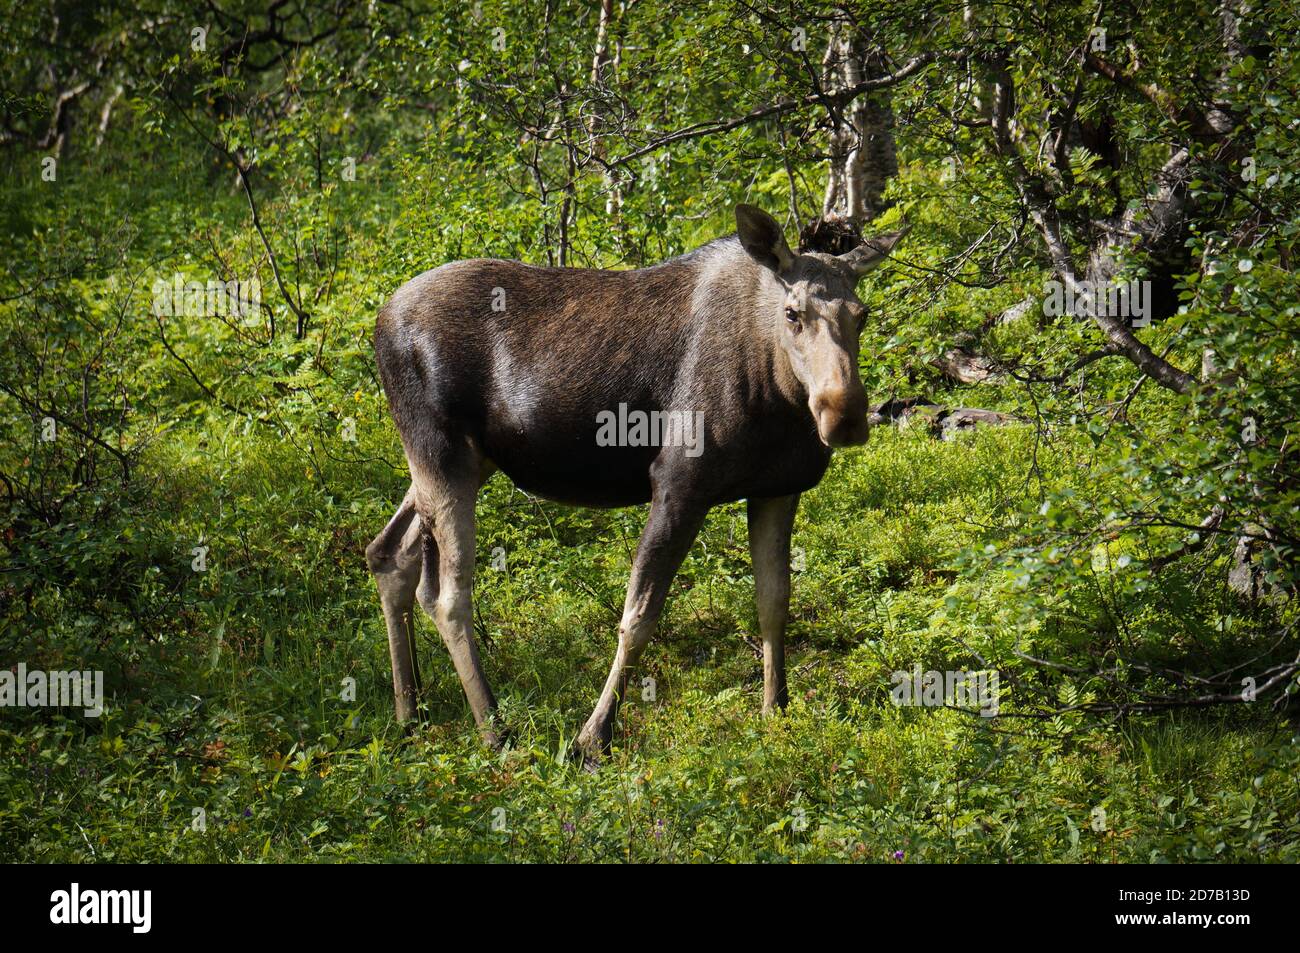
[{"x": 942, "y": 422}]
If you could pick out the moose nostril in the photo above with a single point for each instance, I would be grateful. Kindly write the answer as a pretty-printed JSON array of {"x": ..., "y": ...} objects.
[
  {"x": 842, "y": 416},
  {"x": 843, "y": 403}
]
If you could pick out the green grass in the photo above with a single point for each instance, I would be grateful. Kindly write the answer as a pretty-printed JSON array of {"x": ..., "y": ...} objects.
[{"x": 232, "y": 706}]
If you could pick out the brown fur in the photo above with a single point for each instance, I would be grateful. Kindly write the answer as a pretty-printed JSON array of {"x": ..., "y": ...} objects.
[{"x": 762, "y": 342}]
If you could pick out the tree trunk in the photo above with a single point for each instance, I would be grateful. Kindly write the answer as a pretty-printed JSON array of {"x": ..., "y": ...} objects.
[{"x": 862, "y": 151}]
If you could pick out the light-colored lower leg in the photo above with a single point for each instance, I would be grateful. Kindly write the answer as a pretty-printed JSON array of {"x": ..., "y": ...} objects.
[
  {"x": 394, "y": 558},
  {"x": 634, "y": 633},
  {"x": 668, "y": 535},
  {"x": 770, "y": 525},
  {"x": 449, "y": 599}
]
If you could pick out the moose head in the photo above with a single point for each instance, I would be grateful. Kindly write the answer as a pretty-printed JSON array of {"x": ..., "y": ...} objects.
[{"x": 819, "y": 320}]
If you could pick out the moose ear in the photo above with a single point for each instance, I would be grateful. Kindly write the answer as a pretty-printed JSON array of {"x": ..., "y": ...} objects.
[
  {"x": 761, "y": 236},
  {"x": 872, "y": 252}
]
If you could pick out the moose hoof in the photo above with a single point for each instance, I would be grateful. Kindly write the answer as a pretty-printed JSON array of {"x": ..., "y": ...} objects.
[
  {"x": 589, "y": 751},
  {"x": 497, "y": 737}
]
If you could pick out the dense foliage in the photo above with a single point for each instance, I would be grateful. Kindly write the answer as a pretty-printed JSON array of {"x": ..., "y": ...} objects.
[{"x": 187, "y": 496}]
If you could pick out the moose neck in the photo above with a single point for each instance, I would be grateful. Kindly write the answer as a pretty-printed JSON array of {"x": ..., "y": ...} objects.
[{"x": 732, "y": 280}]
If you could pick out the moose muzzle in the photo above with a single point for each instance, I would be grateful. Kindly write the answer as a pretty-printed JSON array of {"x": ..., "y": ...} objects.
[{"x": 841, "y": 415}]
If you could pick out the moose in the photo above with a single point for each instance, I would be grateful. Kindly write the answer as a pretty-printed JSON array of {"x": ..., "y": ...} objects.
[{"x": 496, "y": 365}]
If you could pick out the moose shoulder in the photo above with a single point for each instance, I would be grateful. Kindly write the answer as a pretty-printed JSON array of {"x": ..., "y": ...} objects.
[{"x": 728, "y": 373}]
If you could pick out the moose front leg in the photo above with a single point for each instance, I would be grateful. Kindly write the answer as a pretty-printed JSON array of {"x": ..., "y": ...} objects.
[
  {"x": 770, "y": 524},
  {"x": 669, "y": 532}
]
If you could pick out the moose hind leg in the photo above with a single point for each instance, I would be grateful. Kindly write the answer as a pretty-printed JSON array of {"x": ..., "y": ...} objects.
[
  {"x": 394, "y": 558},
  {"x": 446, "y": 590}
]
